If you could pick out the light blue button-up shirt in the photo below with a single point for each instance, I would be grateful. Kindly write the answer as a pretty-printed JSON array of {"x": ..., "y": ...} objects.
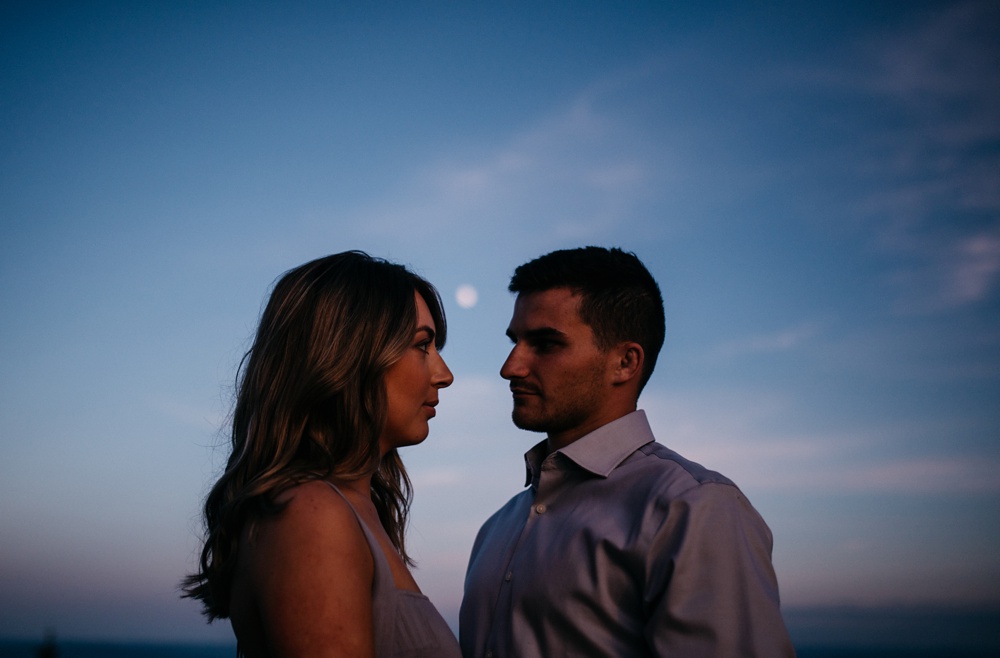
[{"x": 621, "y": 547}]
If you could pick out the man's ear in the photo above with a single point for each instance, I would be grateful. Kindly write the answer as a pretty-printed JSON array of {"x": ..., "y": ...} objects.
[{"x": 627, "y": 367}]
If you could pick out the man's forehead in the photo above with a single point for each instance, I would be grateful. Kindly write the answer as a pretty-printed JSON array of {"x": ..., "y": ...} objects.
[{"x": 556, "y": 307}]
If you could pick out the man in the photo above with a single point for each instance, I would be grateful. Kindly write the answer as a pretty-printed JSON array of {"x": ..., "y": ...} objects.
[{"x": 620, "y": 546}]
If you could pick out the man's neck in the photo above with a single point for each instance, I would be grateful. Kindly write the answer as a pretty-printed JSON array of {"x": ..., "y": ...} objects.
[{"x": 560, "y": 440}]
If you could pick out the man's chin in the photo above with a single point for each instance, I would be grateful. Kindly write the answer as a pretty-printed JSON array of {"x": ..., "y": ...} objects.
[{"x": 526, "y": 422}]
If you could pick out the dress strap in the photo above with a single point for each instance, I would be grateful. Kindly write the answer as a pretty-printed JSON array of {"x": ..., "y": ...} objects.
[{"x": 382, "y": 568}]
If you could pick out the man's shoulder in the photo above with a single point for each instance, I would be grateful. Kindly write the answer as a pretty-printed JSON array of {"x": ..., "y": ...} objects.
[
  {"x": 670, "y": 470},
  {"x": 667, "y": 480}
]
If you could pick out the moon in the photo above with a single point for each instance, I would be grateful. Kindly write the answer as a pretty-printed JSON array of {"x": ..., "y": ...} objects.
[{"x": 466, "y": 296}]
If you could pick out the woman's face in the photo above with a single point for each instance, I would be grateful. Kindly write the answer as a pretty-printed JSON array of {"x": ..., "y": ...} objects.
[{"x": 412, "y": 385}]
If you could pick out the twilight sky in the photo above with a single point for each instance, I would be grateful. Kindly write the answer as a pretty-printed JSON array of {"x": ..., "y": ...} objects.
[{"x": 816, "y": 186}]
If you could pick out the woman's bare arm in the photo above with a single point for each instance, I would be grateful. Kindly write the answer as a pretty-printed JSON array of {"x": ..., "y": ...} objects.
[{"x": 311, "y": 570}]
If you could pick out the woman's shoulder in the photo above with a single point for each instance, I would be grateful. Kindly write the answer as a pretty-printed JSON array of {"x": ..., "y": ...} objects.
[
  {"x": 317, "y": 509},
  {"x": 316, "y": 526},
  {"x": 306, "y": 565},
  {"x": 314, "y": 537},
  {"x": 312, "y": 493}
]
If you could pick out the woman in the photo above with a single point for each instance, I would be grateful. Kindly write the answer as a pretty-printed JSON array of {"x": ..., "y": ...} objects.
[{"x": 304, "y": 550}]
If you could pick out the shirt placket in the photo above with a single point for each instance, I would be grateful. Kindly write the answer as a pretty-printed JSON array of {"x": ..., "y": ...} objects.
[{"x": 543, "y": 486}]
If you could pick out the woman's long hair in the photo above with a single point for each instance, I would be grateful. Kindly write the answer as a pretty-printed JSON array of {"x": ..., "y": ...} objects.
[{"x": 311, "y": 403}]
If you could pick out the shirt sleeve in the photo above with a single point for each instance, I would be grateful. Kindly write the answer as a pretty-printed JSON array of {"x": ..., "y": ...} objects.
[{"x": 710, "y": 587}]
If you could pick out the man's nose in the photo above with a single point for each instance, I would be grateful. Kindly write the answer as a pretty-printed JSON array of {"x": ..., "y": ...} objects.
[{"x": 513, "y": 367}]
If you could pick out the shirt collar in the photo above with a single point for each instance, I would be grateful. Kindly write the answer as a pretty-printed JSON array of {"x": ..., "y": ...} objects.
[{"x": 600, "y": 451}]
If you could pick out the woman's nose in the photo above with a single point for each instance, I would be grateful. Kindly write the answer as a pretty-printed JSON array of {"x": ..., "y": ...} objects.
[{"x": 443, "y": 377}]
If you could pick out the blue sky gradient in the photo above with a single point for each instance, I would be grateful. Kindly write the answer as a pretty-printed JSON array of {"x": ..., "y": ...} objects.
[{"x": 815, "y": 186}]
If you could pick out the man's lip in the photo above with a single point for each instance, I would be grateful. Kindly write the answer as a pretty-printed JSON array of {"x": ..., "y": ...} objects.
[{"x": 518, "y": 390}]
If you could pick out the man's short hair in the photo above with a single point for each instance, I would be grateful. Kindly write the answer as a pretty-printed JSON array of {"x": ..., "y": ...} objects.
[{"x": 620, "y": 300}]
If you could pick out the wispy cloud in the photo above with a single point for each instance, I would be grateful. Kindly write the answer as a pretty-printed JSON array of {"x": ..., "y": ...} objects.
[
  {"x": 575, "y": 172},
  {"x": 944, "y": 76},
  {"x": 929, "y": 166},
  {"x": 949, "y": 53},
  {"x": 976, "y": 266},
  {"x": 784, "y": 340},
  {"x": 939, "y": 474},
  {"x": 752, "y": 444},
  {"x": 943, "y": 273}
]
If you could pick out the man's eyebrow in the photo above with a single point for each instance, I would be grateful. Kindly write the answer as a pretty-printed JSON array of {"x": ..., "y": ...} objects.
[{"x": 541, "y": 333}]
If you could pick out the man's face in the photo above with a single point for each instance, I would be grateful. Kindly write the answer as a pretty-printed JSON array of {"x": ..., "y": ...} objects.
[{"x": 557, "y": 374}]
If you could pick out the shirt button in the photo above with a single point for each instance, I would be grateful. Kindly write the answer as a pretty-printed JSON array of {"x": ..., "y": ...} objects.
[
  {"x": 540, "y": 508},
  {"x": 508, "y": 576},
  {"x": 489, "y": 654}
]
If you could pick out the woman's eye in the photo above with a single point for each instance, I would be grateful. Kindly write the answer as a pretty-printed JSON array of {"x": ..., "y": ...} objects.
[{"x": 424, "y": 347}]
